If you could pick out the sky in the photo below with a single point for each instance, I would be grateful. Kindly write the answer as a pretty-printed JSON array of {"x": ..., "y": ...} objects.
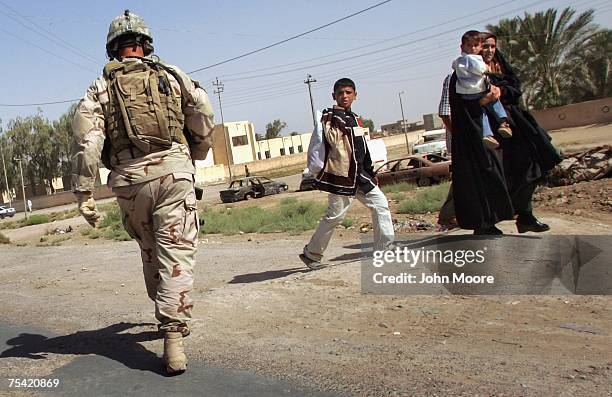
[{"x": 52, "y": 50}]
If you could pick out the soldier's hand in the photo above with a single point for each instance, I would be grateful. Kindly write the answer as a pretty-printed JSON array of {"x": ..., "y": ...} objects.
[{"x": 87, "y": 207}]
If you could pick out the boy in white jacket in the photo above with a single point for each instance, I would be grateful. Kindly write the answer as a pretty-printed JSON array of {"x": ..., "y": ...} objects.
[{"x": 473, "y": 83}]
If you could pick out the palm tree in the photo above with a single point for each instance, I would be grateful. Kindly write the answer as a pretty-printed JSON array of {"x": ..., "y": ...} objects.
[
  {"x": 546, "y": 48},
  {"x": 594, "y": 74}
]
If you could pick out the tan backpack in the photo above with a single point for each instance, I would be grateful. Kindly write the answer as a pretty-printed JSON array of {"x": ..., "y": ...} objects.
[{"x": 143, "y": 111}]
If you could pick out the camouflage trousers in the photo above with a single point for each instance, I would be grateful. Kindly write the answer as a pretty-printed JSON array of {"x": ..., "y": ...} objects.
[{"x": 161, "y": 215}]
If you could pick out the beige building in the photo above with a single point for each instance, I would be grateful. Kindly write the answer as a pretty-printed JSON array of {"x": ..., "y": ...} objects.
[
  {"x": 282, "y": 146},
  {"x": 233, "y": 143},
  {"x": 398, "y": 127}
]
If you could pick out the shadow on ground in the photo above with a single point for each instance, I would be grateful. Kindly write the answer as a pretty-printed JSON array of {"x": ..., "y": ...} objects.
[{"x": 109, "y": 342}]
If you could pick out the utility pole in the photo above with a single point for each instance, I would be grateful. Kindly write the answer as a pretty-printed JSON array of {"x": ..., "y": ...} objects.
[
  {"x": 25, "y": 207},
  {"x": 218, "y": 90},
  {"x": 8, "y": 191},
  {"x": 404, "y": 122},
  {"x": 309, "y": 80}
]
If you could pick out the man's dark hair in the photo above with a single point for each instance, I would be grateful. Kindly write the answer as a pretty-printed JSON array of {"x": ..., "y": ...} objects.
[
  {"x": 471, "y": 35},
  {"x": 344, "y": 82}
]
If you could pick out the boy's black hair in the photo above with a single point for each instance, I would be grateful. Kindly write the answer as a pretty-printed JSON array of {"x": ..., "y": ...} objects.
[
  {"x": 344, "y": 82},
  {"x": 471, "y": 35}
]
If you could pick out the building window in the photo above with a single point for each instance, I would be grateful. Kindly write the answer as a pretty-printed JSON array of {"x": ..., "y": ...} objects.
[
  {"x": 267, "y": 154},
  {"x": 258, "y": 155},
  {"x": 291, "y": 150},
  {"x": 282, "y": 151},
  {"x": 300, "y": 149},
  {"x": 240, "y": 140}
]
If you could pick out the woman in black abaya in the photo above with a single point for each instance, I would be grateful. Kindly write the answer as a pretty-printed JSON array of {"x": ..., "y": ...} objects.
[{"x": 529, "y": 154}]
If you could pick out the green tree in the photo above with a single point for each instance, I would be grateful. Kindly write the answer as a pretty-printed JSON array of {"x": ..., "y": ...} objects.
[
  {"x": 369, "y": 124},
  {"x": 546, "y": 49},
  {"x": 259, "y": 137},
  {"x": 274, "y": 128},
  {"x": 593, "y": 77},
  {"x": 62, "y": 131},
  {"x": 43, "y": 146}
]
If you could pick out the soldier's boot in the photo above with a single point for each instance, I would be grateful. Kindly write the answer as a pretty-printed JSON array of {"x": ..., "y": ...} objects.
[{"x": 174, "y": 353}]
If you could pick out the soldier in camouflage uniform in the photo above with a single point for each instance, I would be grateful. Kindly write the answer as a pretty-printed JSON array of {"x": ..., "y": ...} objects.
[{"x": 147, "y": 121}]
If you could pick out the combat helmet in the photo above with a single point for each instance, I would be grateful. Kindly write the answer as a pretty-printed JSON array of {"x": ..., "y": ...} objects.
[{"x": 126, "y": 29}]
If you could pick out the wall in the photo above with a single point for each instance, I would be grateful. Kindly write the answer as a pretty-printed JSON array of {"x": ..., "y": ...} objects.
[
  {"x": 400, "y": 139},
  {"x": 210, "y": 174},
  {"x": 432, "y": 122},
  {"x": 62, "y": 198},
  {"x": 272, "y": 165},
  {"x": 575, "y": 115}
]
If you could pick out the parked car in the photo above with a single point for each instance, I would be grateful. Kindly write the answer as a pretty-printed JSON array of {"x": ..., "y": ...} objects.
[
  {"x": 251, "y": 187},
  {"x": 433, "y": 142},
  {"x": 6, "y": 211},
  {"x": 420, "y": 169}
]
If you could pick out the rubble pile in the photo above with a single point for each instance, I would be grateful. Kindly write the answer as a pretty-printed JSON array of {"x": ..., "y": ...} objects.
[
  {"x": 588, "y": 165},
  {"x": 583, "y": 198}
]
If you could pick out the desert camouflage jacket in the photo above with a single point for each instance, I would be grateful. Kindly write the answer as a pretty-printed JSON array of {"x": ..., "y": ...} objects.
[{"x": 89, "y": 131}]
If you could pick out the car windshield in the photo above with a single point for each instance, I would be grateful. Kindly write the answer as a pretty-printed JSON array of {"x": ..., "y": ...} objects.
[{"x": 236, "y": 184}]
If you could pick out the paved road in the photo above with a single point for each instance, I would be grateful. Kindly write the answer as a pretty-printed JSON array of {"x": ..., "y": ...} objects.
[{"x": 122, "y": 368}]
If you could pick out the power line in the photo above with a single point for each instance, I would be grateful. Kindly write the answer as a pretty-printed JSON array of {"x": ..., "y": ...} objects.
[
  {"x": 344, "y": 52},
  {"x": 582, "y": 3},
  {"x": 45, "y": 50},
  {"x": 254, "y": 98},
  {"x": 39, "y": 103},
  {"x": 431, "y": 36},
  {"x": 290, "y": 38},
  {"x": 54, "y": 38}
]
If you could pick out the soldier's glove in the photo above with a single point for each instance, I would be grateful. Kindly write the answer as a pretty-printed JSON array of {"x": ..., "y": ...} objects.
[{"x": 87, "y": 207}]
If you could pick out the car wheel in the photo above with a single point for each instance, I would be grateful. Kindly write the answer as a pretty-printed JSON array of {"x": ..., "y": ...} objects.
[
  {"x": 424, "y": 181},
  {"x": 249, "y": 196}
]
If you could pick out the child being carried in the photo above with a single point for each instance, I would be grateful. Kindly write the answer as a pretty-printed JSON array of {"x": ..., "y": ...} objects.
[{"x": 473, "y": 83}]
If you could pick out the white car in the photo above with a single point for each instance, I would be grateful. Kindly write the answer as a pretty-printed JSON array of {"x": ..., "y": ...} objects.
[
  {"x": 433, "y": 142},
  {"x": 6, "y": 211}
]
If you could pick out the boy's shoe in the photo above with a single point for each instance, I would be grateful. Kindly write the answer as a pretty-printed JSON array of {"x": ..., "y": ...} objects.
[
  {"x": 174, "y": 353},
  {"x": 312, "y": 264},
  {"x": 490, "y": 142},
  {"x": 504, "y": 130}
]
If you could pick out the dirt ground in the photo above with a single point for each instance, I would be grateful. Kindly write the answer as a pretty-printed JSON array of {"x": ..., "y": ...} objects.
[{"x": 258, "y": 309}]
